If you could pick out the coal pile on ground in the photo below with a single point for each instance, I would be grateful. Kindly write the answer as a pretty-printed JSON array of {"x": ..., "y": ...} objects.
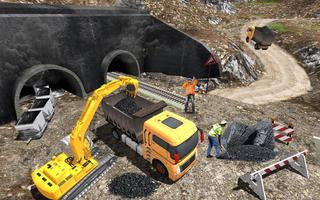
[
  {"x": 249, "y": 143},
  {"x": 128, "y": 105},
  {"x": 132, "y": 185}
]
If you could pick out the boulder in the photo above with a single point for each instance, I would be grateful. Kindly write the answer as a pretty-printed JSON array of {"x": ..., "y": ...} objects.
[
  {"x": 264, "y": 136},
  {"x": 236, "y": 134},
  {"x": 249, "y": 143}
]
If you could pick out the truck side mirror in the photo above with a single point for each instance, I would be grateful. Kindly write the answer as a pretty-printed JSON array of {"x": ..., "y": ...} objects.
[{"x": 201, "y": 135}]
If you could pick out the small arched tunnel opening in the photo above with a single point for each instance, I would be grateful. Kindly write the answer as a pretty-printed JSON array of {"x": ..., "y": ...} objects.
[
  {"x": 56, "y": 77},
  {"x": 121, "y": 61}
]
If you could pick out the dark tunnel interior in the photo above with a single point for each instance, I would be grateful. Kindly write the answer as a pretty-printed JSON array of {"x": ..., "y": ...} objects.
[
  {"x": 56, "y": 79},
  {"x": 124, "y": 63}
]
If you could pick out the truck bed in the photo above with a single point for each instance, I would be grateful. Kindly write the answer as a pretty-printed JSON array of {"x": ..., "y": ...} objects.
[
  {"x": 128, "y": 114},
  {"x": 263, "y": 36}
]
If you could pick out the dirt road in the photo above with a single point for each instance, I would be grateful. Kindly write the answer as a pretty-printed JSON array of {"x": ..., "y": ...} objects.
[{"x": 283, "y": 78}]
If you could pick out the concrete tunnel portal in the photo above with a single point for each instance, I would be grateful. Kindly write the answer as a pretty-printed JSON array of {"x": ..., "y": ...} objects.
[
  {"x": 59, "y": 77},
  {"x": 122, "y": 40},
  {"x": 120, "y": 61},
  {"x": 46, "y": 74}
]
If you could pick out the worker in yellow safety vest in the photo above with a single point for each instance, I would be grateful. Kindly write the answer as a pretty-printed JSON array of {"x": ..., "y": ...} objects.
[{"x": 214, "y": 138}]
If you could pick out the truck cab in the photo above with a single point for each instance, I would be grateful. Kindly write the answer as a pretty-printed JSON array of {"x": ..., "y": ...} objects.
[
  {"x": 250, "y": 33},
  {"x": 170, "y": 143}
]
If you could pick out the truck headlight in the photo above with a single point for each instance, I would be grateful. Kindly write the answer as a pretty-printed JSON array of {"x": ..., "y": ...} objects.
[{"x": 178, "y": 170}]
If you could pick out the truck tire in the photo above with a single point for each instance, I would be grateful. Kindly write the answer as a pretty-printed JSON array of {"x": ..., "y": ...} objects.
[
  {"x": 116, "y": 134},
  {"x": 256, "y": 46},
  {"x": 264, "y": 48},
  {"x": 247, "y": 39},
  {"x": 161, "y": 169}
]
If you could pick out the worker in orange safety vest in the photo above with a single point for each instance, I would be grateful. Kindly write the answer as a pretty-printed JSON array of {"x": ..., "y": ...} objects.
[{"x": 189, "y": 87}]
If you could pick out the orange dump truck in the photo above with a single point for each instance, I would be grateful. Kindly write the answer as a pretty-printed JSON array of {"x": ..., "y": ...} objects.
[{"x": 165, "y": 139}]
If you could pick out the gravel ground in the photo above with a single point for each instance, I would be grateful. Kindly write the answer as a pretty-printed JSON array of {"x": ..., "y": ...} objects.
[{"x": 132, "y": 177}]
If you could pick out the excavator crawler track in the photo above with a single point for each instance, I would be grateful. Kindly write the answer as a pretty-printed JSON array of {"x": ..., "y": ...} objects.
[{"x": 92, "y": 178}]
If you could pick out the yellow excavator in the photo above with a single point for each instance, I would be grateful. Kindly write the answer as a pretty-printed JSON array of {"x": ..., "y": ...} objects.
[{"x": 65, "y": 176}]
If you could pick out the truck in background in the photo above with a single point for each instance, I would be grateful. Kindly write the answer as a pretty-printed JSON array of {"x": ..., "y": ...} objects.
[{"x": 262, "y": 36}]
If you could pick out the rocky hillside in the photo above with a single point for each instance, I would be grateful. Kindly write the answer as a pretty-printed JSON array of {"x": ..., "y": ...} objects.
[
  {"x": 207, "y": 21},
  {"x": 301, "y": 37},
  {"x": 282, "y": 8}
]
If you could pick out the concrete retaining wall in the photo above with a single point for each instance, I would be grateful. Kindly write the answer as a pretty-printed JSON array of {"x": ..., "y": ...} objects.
[{"x": 88, "y": 41}]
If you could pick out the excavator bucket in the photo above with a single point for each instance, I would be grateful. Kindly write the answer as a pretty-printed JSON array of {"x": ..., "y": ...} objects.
[{"x": 131, "y": 90}]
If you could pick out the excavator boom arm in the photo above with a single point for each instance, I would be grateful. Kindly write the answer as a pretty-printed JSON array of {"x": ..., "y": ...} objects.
[{"x": 79, "y": 145}]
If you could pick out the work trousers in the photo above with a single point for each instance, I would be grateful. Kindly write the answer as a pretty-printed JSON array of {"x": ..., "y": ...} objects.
[
  {"x": 189, "y": 98},
  {"x": 213, "y": 141}
]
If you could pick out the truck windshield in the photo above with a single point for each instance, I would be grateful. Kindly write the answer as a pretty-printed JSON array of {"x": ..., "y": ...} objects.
[{"x": 186, "y": 147}]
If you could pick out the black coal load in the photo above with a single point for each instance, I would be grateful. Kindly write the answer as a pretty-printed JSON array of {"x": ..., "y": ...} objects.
[
  {"x": 128, "y": 106},
  {"x": 249, "y": 143}
]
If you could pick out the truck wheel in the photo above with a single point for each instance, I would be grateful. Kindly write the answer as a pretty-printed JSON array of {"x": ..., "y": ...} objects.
[
  {"x": 265, "y": 48},
  {"x": 247, "y": 39},
  {"x": 116, "y": 134},
  {"x": 256, "y": 46},
  {"x": 161, "y": 169}
]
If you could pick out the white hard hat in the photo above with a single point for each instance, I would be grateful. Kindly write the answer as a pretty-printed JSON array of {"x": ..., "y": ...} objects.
[{"x": 223, "y": 122}]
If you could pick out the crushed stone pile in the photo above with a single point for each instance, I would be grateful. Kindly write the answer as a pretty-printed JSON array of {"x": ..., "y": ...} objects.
[
  {"x": 128, "y": 105},
  {"x": 249, "y": 143},
  {"x": 133, "y": 185}
]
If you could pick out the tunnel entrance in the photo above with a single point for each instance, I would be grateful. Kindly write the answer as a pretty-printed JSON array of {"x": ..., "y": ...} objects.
[
  {"x": 120, "y": 61},
  {"x": 55, "y": 76}
]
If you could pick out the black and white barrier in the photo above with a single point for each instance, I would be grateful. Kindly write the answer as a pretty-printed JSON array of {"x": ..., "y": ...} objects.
[{"x": 255, "y": 181}]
